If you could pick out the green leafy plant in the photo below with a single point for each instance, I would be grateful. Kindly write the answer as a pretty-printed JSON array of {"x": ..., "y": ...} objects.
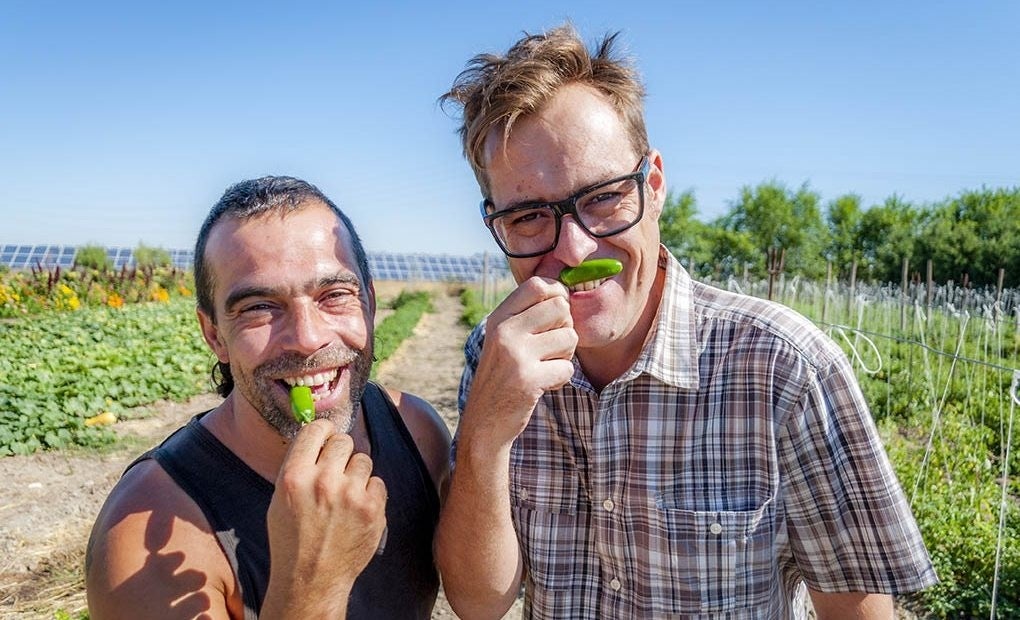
[
  {"x": 408, "y": 308},
  {"x": 93, "y": 257},
  {"x": 474, "y": 311},
  {"x": 146, "y": 256},
  {"x": 60, "y": 369}
]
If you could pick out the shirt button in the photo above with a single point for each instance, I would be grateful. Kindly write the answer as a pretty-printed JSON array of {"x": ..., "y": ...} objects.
[
  {"x": 608, "y": 505},
  {"x": 524, "y": 494},
  {"x": 715, "y": 528},
  {"x": 615, "y": 584}
]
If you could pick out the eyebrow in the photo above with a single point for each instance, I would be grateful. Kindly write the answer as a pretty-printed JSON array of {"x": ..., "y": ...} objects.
[
  {"x": 525, "y": 204},
  {"x": 236, "y": 297}
]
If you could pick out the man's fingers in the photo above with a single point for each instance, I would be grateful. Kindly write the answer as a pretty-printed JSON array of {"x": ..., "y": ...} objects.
[
  {"x": 307, "y": 444},
  {"x": 336, "y": 451},
  {"x": 530, "y": 292},
  {"x": 359, "y": 466}
]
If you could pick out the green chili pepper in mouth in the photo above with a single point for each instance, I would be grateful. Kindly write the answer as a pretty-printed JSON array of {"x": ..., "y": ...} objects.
[
  {"x": 301, "y": 403},
  {"x": 594, "y": 269}
]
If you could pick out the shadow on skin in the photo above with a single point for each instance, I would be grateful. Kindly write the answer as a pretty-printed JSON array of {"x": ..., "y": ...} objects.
[{"x": 178, "y": 591}]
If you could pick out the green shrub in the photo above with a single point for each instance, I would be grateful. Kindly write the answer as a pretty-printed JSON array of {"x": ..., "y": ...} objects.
[
  {"x": 93, "y": 257},
  {"x": 146, "y": 256},
  {"x": 408, "y": 307},
  {"x": 474, "y": 311},
  {"x": 957, "y": 509}
]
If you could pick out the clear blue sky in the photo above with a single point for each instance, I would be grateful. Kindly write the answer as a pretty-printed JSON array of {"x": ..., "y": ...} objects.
[{"x": 123, "y": 123}]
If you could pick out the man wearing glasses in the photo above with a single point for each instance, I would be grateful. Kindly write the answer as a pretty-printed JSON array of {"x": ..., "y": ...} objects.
[{"x": 643, "y": 445}]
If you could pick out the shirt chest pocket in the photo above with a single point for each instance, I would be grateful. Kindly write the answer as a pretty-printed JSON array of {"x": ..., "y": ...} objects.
[
  {"x": 713, "y": 561},
  {"x": 545, "y": 511}
]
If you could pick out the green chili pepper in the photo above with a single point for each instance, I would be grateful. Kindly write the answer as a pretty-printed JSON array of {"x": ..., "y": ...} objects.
[
  {"x": 301, "y": 403},
  {"x": 594, "y": 269}
]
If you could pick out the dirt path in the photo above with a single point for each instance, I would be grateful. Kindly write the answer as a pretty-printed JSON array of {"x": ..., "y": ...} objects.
[{"x": 49, "y": 500}]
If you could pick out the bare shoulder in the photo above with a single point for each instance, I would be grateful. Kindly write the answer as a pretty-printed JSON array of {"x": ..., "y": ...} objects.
[
  {"x": 429, "y": 432},
  {"x": 153, "y": 553}
]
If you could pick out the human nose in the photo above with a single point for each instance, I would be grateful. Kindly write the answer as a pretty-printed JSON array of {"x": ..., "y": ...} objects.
[
  {"x": 308, "y": 331},
  {"x": 574, "y": 243}
]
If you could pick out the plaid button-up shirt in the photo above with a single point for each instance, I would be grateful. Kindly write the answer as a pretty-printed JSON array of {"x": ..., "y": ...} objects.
[{"x": 733, "y": 461}]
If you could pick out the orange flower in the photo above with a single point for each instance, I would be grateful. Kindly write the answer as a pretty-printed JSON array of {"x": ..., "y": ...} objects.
[{"x": 115, "y": 301}]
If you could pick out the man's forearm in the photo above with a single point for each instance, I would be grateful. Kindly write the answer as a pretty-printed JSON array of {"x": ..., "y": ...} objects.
[
  {"x": 852, "y": 605},
  {"x": 476, "y": 545}
]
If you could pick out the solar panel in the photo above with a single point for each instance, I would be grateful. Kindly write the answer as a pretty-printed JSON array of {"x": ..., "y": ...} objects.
[{"x": 383, "y": 265}]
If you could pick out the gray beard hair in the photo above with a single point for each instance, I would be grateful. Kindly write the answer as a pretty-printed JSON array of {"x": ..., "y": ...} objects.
[{"x": 256, "y": 390}]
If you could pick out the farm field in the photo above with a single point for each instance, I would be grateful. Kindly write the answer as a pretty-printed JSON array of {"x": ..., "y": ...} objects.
[{"x": 51, "y": 497}]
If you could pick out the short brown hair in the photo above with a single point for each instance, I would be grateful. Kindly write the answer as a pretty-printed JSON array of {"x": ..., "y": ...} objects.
[{"x": 494, "y": 91}]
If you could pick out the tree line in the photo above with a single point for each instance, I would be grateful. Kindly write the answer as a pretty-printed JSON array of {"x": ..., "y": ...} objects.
[{"x": 968, "y": 238}]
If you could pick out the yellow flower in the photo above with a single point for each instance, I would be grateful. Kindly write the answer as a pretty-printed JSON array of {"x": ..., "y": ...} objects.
[
  {"x": 159, "y": 294},
  {"x": 66, "y": 299}
]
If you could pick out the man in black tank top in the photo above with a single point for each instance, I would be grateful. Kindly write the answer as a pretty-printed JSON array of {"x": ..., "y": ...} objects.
[{"x": 245, "y": 511}]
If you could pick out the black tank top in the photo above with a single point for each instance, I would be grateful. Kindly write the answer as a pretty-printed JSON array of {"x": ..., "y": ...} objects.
[{"x": 400, "y": 583}]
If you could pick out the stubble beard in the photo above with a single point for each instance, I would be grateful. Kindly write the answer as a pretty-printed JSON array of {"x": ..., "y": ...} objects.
[{"x": 259, "y": 386}]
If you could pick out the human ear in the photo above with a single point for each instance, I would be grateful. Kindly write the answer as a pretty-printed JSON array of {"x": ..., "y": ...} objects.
[
  {"x": 655, "y": 184},
  {"x": 211, "y": 333}
]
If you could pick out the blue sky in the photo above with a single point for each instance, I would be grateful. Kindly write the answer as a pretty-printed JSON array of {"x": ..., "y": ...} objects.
[{"x": 122, "y": 123}]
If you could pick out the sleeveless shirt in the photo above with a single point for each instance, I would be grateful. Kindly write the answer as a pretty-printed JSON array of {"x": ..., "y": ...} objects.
[{"x": 401, "y": 582}]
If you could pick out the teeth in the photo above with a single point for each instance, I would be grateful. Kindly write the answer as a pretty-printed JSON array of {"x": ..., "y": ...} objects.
[
  {"x": 322, "y": 378},
  {"x": 587, "y": 286}
]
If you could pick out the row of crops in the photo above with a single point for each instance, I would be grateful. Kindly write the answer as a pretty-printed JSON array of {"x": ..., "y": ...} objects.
[{"x": 942, "y": 382}]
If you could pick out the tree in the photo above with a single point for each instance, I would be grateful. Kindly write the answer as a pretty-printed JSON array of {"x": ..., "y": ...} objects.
[
  {"x": 844, "y": 219},
  {"x": 888, "y": 234},
  {"x": 774, "y": 217},
  {"x": 681, "y": 232}
]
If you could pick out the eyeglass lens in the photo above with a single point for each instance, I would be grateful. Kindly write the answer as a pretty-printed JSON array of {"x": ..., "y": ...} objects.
[{"x": 603, "y": 210}]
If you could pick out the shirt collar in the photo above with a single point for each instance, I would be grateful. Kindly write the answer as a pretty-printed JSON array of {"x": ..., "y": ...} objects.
[{"x": 671, "y": 352}]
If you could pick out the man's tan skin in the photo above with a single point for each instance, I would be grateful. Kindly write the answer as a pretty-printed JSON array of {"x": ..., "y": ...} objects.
[
  {"x": 575, "y": 140},
  {"x": 283, "y": 285}
]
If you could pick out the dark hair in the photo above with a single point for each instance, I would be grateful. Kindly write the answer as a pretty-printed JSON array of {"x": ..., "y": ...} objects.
[
  {"x": 247, "y": 200},
  {"x": 494, "y": 91}
]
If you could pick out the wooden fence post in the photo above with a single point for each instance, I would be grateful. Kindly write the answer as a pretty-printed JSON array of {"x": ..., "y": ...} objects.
[
  {"x": 776, "y": 259},
  {"x": 851, "y": 292},
  {"x": 903, "y": 294},
  {"x": 998, "y": 293},
  {"x": 929, "y": 291},
  {"x": 485, "y": 279},
  {"x": 825, "y": 295}
]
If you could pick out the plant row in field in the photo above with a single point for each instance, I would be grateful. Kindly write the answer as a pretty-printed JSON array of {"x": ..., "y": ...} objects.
[
  {"x": 408, "y": 308},
  {"x": 24, "y": 293},
  {"x": 938, "y": 388},
  {"x": 60, "y": 368}
]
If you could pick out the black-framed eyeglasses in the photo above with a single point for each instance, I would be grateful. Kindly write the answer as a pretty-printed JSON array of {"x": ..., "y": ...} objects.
[{"x": 605, "y": 209}]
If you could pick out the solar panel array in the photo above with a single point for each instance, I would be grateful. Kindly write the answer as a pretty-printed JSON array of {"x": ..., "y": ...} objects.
[
  {"x": 384, "y": 265},
  {"x": 435, "y": 267}
]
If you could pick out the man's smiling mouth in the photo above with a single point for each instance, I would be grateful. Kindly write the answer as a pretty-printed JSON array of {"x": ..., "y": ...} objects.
[{"x": 321, "y": 383}]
